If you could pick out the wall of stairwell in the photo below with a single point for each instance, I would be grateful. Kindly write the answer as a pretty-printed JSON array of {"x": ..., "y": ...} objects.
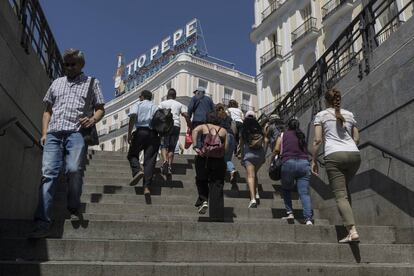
[
  {"x": 23, "y": 82},
  {"x": 383, "y": 191}
]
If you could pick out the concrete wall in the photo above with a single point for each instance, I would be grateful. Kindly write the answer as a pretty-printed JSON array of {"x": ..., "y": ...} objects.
[
  {"x": 23, "y": 82},
  {"x": 383, "y": 191}
]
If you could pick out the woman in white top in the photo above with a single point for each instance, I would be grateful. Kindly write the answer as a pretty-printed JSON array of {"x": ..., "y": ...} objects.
[
  {"x": 338, "y": 129},
  {"x": 237, "y": 116}
]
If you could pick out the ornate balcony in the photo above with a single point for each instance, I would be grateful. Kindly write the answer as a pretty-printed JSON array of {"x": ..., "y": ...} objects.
[
  {"x": 332, "y": 6},
  {"x": 273, "y": 54},
  {"x": 124, "y": 122},
  {"x": 308, "y": 27},
  {"x": 272, "y": 8},
  {"x": 113, "y": 127},
  {"x": 102, "y": 131}
]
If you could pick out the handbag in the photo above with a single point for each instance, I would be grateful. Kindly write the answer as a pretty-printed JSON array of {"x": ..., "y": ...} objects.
[
  {"x": 188, "y": 139},
  {"x": 90, "y": 134},
  {"x": 275, "y": 169}
]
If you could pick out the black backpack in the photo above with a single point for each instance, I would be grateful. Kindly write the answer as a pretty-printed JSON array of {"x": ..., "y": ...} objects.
[
  {"x": 162, "y": 121},
  {"x": 253, "y": 133}
]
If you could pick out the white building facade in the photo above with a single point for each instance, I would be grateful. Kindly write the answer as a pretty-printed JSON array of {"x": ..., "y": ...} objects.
[
  {"x": 290, "y": 36},
  {"x": 185, "y": 73}
]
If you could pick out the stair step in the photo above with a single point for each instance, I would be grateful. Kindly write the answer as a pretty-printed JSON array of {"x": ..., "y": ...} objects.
[
  {"x": 246, "y": 231},
  {"x": 180, "y": 210},
  {"x": 208, "y": 251},
  {"x": 71, "y": 268}
]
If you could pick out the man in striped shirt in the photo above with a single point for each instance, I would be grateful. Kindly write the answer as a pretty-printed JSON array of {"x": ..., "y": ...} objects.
[{"x": 65, "y": 114}]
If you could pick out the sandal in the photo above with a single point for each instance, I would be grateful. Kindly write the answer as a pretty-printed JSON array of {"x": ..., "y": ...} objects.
[{"x": 352, "y": 237}]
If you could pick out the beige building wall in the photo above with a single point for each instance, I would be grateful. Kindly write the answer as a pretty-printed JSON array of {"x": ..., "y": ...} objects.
[{"x": 185, "y": 75}]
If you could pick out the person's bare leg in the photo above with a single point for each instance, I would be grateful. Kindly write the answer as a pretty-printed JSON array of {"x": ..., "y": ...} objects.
[{"x": 250, "y": 170}]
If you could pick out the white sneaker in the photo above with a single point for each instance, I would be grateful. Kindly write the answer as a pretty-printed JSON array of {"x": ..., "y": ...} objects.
[
  {"x": 203, "y": 208},
  {"x": 252, "y": 204},
  {"x": 309, "y": 222},
  {"x": 289, "y": 216}
]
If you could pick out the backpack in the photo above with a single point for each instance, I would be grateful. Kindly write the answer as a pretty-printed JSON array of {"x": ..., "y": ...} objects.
[
  {"x": 255, "y": 137},
  {"x": 212, "y": 145},
  {"x": 162, "y": 121},
  {"x": 273, "y": 132}
]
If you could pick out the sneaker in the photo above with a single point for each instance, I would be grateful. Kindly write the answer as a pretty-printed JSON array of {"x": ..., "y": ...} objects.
[
  {"x": 252, "y": 204},
  {"x": 309, "y": 222},
  {"x": 169, "y": 171},
  {"x": 39, "y": 233},
  {"x": 289, "y": 216},
  {"x": 134, "y": 181},
  {"x": 233, "y": 177},
  {"x": 203, "y": 208},
  {"x": 75, "y": 215},
  {"x": 257, "y": 194},
  {"x": 198, "y": 202},
  {"x": 164, "y": 168}
]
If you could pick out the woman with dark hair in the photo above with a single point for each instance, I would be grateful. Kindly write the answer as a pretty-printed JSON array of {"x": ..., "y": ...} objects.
[
  {"x": 210, "y": 166},
  {"x": 252, "y": 144},
  {"x": 291, "y": 144},
  {"x": 225, "y": 122},
  {"x": 337, "y": 128}
]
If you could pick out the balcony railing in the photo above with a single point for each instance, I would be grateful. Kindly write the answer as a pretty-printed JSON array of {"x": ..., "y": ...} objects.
[
  {"x": 113, "y": 128},
  {"x": 246, "y": 107},
  {"x": 308, "y": 26},
  {"x": 352, "y": 49},
  {"x": 102, "y": 132},
  {"x": 36, "y": 33},
  {"x": 274, "y": 53},
  {"x": 332, "y": 6},
  {"x": 124, "y": 122},
  {"x": 272, "y": 7}
]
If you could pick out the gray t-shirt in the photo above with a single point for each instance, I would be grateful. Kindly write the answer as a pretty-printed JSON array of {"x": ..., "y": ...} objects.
[{"x": 336, "y": 137}]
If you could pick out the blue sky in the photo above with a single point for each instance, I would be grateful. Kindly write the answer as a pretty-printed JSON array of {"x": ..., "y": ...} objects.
[{"x": 104, "y": 28}]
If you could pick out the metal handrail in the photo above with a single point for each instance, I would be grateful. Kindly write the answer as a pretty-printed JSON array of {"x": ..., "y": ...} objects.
[
  {"x": 307, "y": 26},
  {"x": 360, "y": 38},
  {"x": 37, "y": 34},
  {"x": 15, "y": 121}
]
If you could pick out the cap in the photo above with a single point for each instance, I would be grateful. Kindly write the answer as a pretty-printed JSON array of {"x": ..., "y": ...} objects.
[
  {"x": 274, "y": 117},
  {"x": 200, "y": 89},
  {"x": 251, "y": 113}
]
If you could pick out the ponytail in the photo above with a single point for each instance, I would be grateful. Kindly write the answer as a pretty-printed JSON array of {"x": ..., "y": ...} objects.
[
  {"x": 333, "y": 98},
  {"x": 293, "y": 124}
]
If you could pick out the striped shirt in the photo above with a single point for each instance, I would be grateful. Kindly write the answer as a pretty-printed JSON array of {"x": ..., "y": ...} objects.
[{"x": 67, "y": 99}]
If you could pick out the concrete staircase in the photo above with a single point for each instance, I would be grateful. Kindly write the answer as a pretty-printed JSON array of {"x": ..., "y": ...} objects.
[{"x": 121, "y": 235}]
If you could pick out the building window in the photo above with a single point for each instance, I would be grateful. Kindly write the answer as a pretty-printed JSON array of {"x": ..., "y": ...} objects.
[
  {"x": 104, "y": 122},
  {"x": 113, "y": 144},
  {"x": 228, "y": 94},
  {"x": 115, "y": 117},
  {"x": 124, "y": 146},
  {"x": 246, "y": 103},
  {"x": 203, "y": 83},
  {"x": 127, "y": 111}
]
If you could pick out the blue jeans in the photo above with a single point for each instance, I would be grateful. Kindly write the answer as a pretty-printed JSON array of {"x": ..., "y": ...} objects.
[
  {"x": 229, "y": 153},
  {"x": 61, "y": 148},
  {"x": 297, "y": 171}
]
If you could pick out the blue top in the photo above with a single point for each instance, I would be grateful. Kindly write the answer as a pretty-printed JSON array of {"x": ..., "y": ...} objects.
[
  {"x": 199, "y": 107},
  {"x": 144, "y": 110}
]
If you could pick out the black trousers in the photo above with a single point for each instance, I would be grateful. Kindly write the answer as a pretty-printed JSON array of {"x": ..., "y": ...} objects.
[
  {"x": 210, "y": 173},
  {"x": 147, "y": 140}
]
